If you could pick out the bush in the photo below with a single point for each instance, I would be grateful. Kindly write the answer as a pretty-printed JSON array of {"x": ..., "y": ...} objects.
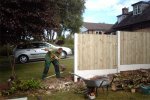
[
  {"x": 59, "y": 42},
  {"x": 69, "y": 41},
  {"x": 23, "y": 85}
]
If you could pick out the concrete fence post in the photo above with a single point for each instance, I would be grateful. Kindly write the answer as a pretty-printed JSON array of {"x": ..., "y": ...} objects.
[{"x": 75, "y": 55}]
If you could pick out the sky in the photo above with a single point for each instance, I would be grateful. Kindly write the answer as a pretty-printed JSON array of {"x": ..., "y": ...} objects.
[{"x": 105, "y": 11}]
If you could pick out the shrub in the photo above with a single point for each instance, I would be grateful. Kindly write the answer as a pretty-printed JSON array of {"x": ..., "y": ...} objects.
[
  {"x": 23, "y": 85},
  {"x": 59, "y": 42},
  {"x": 69, "y": 41}
]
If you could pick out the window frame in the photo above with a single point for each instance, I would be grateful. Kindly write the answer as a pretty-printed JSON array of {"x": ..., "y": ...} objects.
[{"x": 137, "y": 9}]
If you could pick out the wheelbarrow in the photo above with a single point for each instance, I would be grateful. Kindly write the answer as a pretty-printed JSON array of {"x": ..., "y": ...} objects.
[{"x": 95, "y": 84}]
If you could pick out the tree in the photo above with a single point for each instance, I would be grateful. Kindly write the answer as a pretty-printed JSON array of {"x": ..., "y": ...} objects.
[
  {"x": 21, "y": 19},
  {"x": 72, "y": 17}
]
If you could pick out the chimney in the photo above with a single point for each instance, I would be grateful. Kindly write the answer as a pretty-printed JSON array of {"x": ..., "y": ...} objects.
[{"x": 125, "y": 11}]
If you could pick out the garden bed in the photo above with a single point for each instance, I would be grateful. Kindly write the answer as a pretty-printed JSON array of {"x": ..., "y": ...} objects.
[{"x": 123, "y": 81}]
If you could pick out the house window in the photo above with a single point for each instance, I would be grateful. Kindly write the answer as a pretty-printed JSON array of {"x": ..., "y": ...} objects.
[
  {"x": 137, "y": 10},
  {"x": 98, "y": 32}
]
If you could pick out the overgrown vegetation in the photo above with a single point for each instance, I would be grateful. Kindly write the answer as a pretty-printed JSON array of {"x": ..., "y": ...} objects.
[{"x": 22, "y": 85}]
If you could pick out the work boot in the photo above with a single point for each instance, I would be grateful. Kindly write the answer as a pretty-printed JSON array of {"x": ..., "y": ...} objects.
[
  {"x": 43, "y": 77},
  {"x": 59, "y": 77}
]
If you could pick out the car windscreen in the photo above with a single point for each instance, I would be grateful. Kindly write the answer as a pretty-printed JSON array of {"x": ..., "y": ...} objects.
[
  {"x": 32, "y": 45},
  {"x": 40, "y": 45},
  {"x": 22, "y": 46}
]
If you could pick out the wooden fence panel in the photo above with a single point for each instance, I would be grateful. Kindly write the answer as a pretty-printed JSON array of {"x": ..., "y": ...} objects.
[
  {"x": 135, "y": 47},
  {"x": 97, "y": 51}
]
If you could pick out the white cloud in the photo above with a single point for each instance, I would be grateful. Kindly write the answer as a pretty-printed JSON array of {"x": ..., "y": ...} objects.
[
  {"x": 101, "y": 10},
  {"x": 104, "y": 4},
  {"x": 99, "y": 4},
  {"x": 89, "y": 19}
]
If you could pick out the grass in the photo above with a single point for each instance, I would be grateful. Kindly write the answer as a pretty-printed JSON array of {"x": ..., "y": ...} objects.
[
  {"x": 119, "y": 95},
  {"x": 31, "y": 70}
]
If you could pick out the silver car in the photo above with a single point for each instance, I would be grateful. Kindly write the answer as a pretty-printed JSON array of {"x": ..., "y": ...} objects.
[{"x": 35, "y": 50}]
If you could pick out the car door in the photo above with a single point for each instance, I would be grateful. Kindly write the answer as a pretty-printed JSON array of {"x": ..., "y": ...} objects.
[
  {"x": 33, "y": 49},
  {"x": 41, "y": 49}
]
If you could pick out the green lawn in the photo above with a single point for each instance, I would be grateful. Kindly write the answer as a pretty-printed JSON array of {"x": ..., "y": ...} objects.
[
  {"x": 119, "y": 95},
  {"x": 32, "y": 70}
]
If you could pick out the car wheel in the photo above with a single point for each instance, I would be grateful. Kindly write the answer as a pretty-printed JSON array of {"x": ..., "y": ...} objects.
[
  {"x": 63, "y": 54},
  {"x": 23, "y": 58}
]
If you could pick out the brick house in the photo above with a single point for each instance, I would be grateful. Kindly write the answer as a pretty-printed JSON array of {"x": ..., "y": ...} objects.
[
  {"x": 137, "y": 20},
  {"x": 95, "y": 28}
]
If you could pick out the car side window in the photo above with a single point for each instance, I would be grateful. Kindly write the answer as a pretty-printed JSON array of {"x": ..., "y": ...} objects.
[
  {"x": 34, "y": 45},
  {"x": 22, "y": 46},
  {"x": 43, "y": 45},
  {"x": 47, "y": 45},
  {"x": 39, "y": 45}
]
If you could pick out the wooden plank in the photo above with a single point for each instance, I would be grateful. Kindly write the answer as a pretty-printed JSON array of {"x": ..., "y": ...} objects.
[
  {"x": 84, "y": 52},
  {"x": 115, "y": 51},
  {"x": 110, "y": 51},
  {"x": 133, "y": 48},
  {"x": 96, "y": 47},
  {"x": 130, "y": 48},
  {"x": 124, "y": 42},
  {"x": 144, "y": 48},
  {"x": 100, "y": 42},
  {"x": 137, "y": 48},
  {"x": 121, "y": 48},
  {"x": 148, "y": 48},
  {"x": 79, "y": 51}
]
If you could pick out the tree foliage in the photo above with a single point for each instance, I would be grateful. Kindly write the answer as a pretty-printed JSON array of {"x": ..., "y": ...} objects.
[
  {"x": 72, "y": 17},
  {"x": 20, "y": 19}
]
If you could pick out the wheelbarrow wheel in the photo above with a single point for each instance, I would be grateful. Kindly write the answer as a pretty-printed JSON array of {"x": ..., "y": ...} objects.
[{"x": 91, "y": 93}]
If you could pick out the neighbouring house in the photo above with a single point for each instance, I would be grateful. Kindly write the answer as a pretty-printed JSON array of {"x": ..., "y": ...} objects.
[
  {"x": 137, "y": 20},
  {"x": 95, "y": 28}
]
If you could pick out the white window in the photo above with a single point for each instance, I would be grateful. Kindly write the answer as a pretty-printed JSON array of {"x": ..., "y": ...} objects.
[{"x": 137, "y": 10}]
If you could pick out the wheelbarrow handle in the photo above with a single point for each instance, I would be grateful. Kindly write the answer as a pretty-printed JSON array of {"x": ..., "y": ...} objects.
[{"x": 78, "y": 76}]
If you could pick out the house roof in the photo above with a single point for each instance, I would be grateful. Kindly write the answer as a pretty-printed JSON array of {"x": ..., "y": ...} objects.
[
  {"x": 97, "y": 26},
  {"x": 143, "y": 2},
  {"x": 134, "y": 19}
]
